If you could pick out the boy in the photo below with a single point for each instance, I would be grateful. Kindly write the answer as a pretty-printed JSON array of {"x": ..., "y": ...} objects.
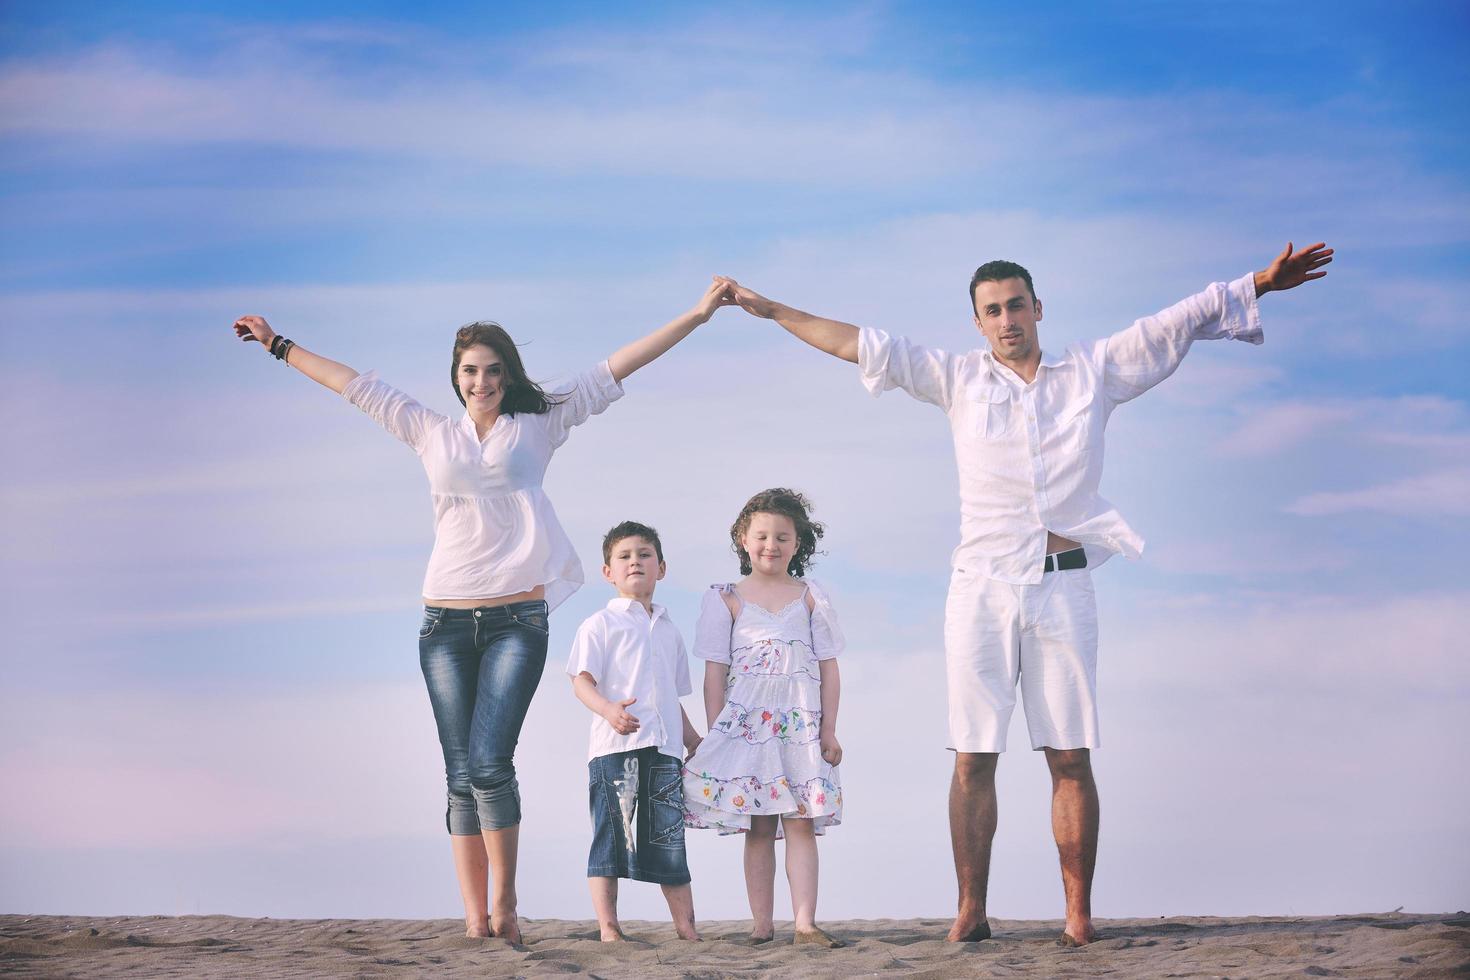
[{"x": 628, "y": 666}]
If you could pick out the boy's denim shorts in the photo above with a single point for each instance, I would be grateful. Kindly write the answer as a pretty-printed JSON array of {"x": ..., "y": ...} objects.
[{"x": 637, "y": 804}]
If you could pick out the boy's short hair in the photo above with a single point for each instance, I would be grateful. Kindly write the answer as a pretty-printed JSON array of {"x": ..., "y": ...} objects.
[{"x": 630, "y": 529}]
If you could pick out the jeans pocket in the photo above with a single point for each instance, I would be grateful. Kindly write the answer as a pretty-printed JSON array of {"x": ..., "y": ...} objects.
[
  {"x": 533, "y": 620},
  {"x": 433, "y": 616},
  {"x": 667, "y": 804}
]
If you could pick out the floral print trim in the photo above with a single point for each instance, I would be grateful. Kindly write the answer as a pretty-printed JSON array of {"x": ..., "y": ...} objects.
[
  {"x": 759, "y": 725},
  {"x": 770, "y": 657},
  {"x": 708, "y": 800}
]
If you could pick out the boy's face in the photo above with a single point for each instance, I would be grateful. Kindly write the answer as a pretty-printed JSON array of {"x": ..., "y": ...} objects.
[{"x": 633, "y": 568}]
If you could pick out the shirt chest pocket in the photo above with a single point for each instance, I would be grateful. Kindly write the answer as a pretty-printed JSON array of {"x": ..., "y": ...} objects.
[
  {"x": 989, "y": 410},
  {"x": 1075, "y": 419}
]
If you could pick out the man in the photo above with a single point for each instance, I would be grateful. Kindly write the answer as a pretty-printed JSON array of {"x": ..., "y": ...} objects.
[{"x": 1028, "y": 435}]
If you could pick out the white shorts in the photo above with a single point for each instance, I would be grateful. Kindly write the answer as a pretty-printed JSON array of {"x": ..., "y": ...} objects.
[{"x": 1043, "y": 635}]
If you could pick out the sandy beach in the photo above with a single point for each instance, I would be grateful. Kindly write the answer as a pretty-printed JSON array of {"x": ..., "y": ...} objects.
[{"x": 1390, "y": 945}]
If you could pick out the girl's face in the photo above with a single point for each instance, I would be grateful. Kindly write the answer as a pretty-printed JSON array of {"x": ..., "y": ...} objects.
[
  {"x": 481, "y": 379},
  {"x": 770, "y": 541}
]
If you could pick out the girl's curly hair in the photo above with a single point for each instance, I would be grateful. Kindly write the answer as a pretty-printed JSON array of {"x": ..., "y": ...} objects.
[{"x": 786, "y": 503}]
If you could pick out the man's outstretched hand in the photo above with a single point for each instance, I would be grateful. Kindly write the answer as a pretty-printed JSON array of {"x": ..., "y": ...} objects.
[{"x": 1291, "y": 269}]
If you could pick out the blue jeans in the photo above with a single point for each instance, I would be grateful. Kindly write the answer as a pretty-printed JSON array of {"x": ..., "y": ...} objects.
[
  {"x": 482, "y": 667},
  {"x": 636, "y": 799}
]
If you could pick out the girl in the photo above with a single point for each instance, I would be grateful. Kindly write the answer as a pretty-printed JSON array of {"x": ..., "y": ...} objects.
[
  {"x": 500, "y": 564},
  {"x": 768, "y": 767}
]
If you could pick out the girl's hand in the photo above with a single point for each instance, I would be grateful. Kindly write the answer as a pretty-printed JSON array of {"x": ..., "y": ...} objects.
[
  {"x": 831, "y": 749},
  {"x": 249, "y": 328},
  {"x": 618, "y": 717}
]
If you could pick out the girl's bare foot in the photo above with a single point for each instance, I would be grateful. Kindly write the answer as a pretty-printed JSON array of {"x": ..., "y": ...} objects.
[{"x": 817, "y": 937}]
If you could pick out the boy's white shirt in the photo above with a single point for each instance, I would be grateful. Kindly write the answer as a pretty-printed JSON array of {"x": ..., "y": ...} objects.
[{"x": 632, "y": 654}]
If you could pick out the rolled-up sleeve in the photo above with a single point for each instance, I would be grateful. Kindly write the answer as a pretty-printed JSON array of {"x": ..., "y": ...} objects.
[
  {"x": 588, "y": 652},
  {"x": 591, "y": 393},
  {"x": 827, "y": 638},
  {"x": 403, "y": 418},
  {"x": 712, "y": 629},
  {"x": 896, "y": 362},
  {"x": 1136, "y": 359}
]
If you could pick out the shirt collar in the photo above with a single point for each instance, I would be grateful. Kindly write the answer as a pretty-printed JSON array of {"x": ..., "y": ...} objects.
[
  {"x": 1047, "y": 361},
  {"x": 623, "y": 604}
]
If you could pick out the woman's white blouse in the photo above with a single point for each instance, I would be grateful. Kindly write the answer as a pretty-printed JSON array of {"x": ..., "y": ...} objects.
[{"x": 495, "y": 532}]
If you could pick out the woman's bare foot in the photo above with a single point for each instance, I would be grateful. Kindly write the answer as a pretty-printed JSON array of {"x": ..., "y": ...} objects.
[
  {"x": 817, "y": 937},
  {"x": 507, "y": 927}
]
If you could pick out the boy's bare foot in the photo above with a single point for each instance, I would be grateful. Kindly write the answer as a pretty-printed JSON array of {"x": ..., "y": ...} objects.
[
  {"x": 817, "y": 937},
  {"x": 969, "y": 931}
]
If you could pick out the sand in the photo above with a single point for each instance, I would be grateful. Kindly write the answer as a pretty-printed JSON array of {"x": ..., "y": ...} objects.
[{"x": 1391, "y": 945}]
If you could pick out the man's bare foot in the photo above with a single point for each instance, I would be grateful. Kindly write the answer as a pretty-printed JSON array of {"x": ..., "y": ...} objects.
[
  {"x": 1067, "y": 939},
  {"x": 757, "y": 939},
  {"x": 690, "y": 935},
  {"x": 613, "y": 934},
  {"x": 817, "y": 937},
  {"x": 477, "y": 930},
  {"x": 508, "y": 928},
  {"x": 969, "y": 931}
]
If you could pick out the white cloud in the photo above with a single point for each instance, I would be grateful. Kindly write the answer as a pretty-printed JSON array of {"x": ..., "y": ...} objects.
[{"x": 1430, "y": 495}]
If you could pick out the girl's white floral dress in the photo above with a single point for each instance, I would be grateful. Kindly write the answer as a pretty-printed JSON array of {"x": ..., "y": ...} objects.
[{"x": 762, "y": 756}]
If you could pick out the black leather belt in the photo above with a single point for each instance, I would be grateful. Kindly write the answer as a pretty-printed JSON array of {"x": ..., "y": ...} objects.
[{"x": 1065, "y": 561}]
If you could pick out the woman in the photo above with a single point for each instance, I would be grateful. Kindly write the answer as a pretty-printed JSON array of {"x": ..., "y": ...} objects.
[{"x": 501, "y": 562}]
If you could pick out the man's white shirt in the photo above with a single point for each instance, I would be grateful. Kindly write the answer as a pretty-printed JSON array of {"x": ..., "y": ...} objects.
[
  {"x": 1030, "y": 457},
  {"x": 632, "y": 654}
]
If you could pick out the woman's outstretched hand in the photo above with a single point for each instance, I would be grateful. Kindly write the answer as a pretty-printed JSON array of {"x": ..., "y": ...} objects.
[
  {"x": 249, "y": 328},
  {"x": 717, "y": 295}
]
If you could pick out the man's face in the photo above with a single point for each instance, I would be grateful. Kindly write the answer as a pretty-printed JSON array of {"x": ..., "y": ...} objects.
[
  {"x": 633, "y": 567},
  {"x": 1007, "y": 314}
]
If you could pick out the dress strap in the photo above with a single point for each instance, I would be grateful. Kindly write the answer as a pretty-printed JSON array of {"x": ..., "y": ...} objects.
[{"x": 728, "y": 589}]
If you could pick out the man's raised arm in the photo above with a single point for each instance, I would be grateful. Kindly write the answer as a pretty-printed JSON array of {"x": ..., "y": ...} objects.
[
  {"x": 1290, "y": 269},
  {"x": 832, "y": 336}
]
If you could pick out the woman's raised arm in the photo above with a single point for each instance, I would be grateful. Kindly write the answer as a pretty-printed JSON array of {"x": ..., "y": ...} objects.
[
  {"x": 647, "y": 349},
  {"x": 322, "y": 370}
]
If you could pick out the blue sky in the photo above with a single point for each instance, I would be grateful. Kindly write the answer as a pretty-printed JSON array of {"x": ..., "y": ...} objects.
[{"x": 210, "y": 567}]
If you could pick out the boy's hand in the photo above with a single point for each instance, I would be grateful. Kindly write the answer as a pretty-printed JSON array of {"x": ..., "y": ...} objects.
[
  {"x": 831, "y": 749},
  {"x": 618, "y": 717}
]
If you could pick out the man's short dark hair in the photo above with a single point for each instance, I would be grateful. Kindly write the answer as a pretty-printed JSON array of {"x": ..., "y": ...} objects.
[
  {"x": 630, "y": 529},
  {"x": 995, "y": 272}
]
